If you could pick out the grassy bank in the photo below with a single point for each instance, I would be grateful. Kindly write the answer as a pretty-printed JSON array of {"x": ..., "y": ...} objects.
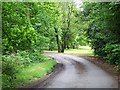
[
  {"x": 34, "y": 72},
  {"x": 20, "y": 70}
]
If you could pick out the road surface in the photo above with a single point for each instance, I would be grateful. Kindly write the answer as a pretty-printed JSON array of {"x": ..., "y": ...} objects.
[{"x": 79, "y": 73}]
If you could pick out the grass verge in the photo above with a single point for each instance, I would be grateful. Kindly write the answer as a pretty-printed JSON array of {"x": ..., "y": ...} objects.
[
  {"x": 34, "y": 71},
  {"x": 31, "y": 72}
]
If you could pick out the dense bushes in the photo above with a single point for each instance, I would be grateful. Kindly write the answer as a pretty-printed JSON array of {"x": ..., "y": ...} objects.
[
  {"x": 26, "y": 29},
  {"x": 103, "y": 21},
  {"x": 13, "y": 63},
  {"x": 112, "y": 54}
]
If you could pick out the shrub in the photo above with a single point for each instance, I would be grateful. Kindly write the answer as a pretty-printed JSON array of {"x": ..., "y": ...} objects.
[
  {"x": 9, "y": 70},
  {"x": 112, "y": 56},
  {"x": 36, "y": 57},
  {"x": 12, "y": 63}
]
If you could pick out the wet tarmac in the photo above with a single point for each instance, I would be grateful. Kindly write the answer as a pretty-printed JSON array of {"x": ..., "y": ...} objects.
[{"x": 79, "y": 73}]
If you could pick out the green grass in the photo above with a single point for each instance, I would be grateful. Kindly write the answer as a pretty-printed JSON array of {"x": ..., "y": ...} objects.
[
  {"x": 33, "y": 72},
  {"x": 82, "y": 51}
]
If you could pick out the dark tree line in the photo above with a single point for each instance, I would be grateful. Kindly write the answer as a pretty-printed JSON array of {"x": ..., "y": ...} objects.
[{"x": 103, "y": 29}]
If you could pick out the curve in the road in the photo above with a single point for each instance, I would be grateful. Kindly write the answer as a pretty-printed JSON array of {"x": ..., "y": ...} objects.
[{"x": 79, "y": 73}]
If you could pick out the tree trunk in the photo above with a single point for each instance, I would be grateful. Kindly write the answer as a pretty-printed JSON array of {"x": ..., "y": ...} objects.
[
  {"x": 68, "y": 46},
  {"x": 57, "y": 38},
  {"x": 62, "y": 48},
  {"x": 73, "y": 46}
]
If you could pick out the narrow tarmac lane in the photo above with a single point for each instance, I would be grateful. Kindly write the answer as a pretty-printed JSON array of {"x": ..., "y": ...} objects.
[{"x": 79, "y": 73}]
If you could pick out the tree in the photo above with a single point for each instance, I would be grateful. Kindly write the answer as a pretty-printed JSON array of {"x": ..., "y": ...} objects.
[
  {"x": 104, "y": 34},
  {"x": 17, "y": 32},
  {"x": 67, "y": 19}
]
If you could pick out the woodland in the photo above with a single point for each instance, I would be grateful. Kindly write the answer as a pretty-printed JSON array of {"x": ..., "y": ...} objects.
[{"x": 29, "y": 28}]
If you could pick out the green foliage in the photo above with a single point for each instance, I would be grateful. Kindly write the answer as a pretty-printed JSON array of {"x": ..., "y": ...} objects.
[
  {"x": 17, "y": 32},
  {"x": 30, "y": 27},
  {"x": 118, "y": 68},
  {"x": 112, "y": 53},
  {"x": 34, "y": 71},
  {"x": 103, "y": 29},
  {"x": 27, "y": 27},
  {"x": 11, "y": 64},
  {"x": 72, "y": 35},
  {"x": 9, "y": 70}
]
